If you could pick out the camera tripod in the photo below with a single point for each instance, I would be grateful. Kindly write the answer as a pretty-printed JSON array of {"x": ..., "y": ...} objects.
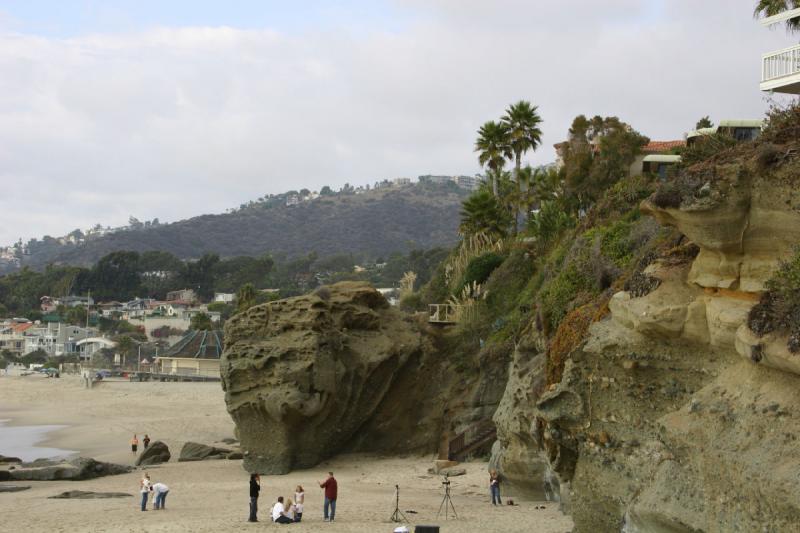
[
  {"x": 447, "y": 502},
  {"x": 397, "y": 515}
]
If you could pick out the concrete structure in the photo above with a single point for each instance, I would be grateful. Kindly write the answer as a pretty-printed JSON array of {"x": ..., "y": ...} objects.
[
  {"x": 780, "y": 70},
  {"x": 196, "y": 354},
  {"x": 224, "y": 297},
  {"x": 183, "y": 295}
]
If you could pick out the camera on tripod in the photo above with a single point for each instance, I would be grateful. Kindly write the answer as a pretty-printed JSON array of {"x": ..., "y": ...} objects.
[{"x": 446, "y": 479}]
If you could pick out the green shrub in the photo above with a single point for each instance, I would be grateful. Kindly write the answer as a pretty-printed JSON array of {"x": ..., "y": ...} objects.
[
  {"x": 779, "y": 307},
  {"x": 412, "y": 302},
  {"x": 548, "y": 223},
  {"x": 479, "y": 269}
]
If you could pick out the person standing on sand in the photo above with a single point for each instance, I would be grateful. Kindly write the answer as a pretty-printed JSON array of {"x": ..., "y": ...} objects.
[
  {"x": 146, "y": 441},
  {"x": 494, "y": 487},
  {"x": 134, "y": 443},
  {"x": 331, "y": 492},
  {"x": 144, "y": 488},
  {"x": 299, "y": 500},
  {"x": 255, "y": 488}
]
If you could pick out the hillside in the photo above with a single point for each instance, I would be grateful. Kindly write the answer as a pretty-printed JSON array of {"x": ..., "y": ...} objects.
[{"x": 372, "y": 224}]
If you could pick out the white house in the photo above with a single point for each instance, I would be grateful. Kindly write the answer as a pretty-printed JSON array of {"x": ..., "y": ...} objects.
[{"x": 780, "y": 70}]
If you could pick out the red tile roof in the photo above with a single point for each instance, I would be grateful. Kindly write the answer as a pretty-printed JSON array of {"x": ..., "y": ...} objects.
[{"x": 657, "y": 147}]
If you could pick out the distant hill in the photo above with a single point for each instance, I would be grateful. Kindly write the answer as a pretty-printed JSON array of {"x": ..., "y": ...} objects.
[{"x": 372, "y": 224}]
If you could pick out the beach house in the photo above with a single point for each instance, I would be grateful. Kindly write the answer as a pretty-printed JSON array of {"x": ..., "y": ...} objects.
[
  {"x": 196, "y": 354},
  {"x": 780, "y": 70}
]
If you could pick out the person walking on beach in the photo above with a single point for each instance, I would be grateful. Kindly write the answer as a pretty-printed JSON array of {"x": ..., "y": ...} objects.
[
  {"x": 331, "y": 491},
  {"x": 494, "y": 487},
  {"x": 144, "y": 488},
  {"x": 146, "y": 441},
  {"x": 134, "y": 443},
  {"x": 255, "y": 488},
  {"x": 299, "y": 500},
  {"x": 160, "y": 492},
  {"x": 279, "y": 512}
]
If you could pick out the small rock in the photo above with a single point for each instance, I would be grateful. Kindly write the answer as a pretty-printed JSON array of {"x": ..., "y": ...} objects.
[
  {"x": 235, "y": 456},
  {"x": 13, "y": 488},
  {"x": 89, "y": 495}
]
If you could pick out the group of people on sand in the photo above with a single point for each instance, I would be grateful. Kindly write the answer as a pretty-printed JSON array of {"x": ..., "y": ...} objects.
[
  {"x": 135, "y": 442},
  {"x": 158, "y": 490},
  {"x": 288, "y": 511}
]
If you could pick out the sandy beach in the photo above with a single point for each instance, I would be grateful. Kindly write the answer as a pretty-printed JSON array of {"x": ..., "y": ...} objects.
[{"x": 213, "y": 495}]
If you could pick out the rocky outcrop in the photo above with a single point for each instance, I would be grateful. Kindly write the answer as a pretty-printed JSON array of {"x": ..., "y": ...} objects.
[
  {"x": 155, "y": 454},
  {"x": 672, "y": 416},
  {"x": 194, "y": 451},
  {"x": 89, "y": 495},
  {"x": 77, "y": 469},
  {"x": 744, "y": 227},
  {"x": 14, "y": 488},
  {"x": 310, "y": 376}
]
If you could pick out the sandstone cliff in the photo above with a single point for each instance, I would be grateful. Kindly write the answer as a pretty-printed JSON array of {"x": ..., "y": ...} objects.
[{"x": 672, "y": 416}]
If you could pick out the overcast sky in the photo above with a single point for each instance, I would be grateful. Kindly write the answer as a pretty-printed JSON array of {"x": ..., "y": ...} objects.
[{"x": 170, "y": 112}]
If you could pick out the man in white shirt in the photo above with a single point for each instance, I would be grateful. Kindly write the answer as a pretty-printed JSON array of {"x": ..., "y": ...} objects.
[
  {"x": 144, "y": 488},
  {"x": 160, "y": 492},
  {"x": 279, "y": 513}
]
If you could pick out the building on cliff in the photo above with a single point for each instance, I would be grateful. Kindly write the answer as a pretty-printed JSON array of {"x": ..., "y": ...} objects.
[
  {"x": 780, "y": 70},
  {"x": 196, "y": 354}
]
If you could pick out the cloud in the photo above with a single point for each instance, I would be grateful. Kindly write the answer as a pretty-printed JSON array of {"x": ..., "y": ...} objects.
[{"x": 174, "y": 122}]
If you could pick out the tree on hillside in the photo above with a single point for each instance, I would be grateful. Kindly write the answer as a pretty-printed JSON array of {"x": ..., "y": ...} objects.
[
  {"x": 704, "y": 122},
  {"x": 326, "y": 191},
  {"x": 201, "y": 322},
  {"x": 115, "y": 276},
  {"x": 245, "y": 297},
  {"x": 199, "y": 275},
  {"x": 598, "y": 153},
  {"x": 493, "y": 148},
  {"x": 769, "y": 8}
]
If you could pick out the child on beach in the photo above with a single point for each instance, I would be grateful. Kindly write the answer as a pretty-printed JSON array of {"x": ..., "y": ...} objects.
[{"x": 299, "y": 499}]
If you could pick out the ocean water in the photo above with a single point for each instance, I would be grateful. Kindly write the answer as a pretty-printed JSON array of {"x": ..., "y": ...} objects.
[{"x": 20, "y": 441}]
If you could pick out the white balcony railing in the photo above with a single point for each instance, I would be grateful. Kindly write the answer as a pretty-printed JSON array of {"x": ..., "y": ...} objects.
[{"x": 780, "y": 64}]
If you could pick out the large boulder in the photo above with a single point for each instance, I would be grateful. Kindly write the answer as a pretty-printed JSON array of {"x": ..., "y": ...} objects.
[
  {"x": 194, "y": 451},
  {"x": 308, "y": 376},
  {"x": 76, "y": 469},
  {"x": 155, "y": 454}
]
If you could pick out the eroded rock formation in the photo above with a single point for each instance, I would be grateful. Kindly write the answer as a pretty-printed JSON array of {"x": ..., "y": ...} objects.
[
  {"x": 338, "y": 369},
  {"x": 672, "y": 416}
]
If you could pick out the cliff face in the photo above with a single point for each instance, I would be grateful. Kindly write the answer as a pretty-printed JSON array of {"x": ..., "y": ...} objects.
[{"x": 672, "y": 416}]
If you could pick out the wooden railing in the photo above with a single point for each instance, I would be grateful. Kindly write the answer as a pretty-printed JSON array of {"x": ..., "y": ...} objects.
[
  {"x": 444, "y": 313},
  {"x": 473, "y": 438}
]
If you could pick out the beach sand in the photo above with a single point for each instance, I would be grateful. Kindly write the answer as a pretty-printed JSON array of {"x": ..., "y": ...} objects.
[{"x": 213, "y": 495}]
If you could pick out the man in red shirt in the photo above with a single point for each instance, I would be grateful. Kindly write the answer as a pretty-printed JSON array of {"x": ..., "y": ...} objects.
[{"x": 331, "y": 489}]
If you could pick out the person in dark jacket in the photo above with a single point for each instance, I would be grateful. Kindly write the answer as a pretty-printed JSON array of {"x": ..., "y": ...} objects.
[
  {"x": 331, "y": 493},
  {"x": 255, "y": 488}
]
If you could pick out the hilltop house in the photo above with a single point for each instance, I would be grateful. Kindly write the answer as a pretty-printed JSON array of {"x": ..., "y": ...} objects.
[
  {"x": 780, "y": 71},
  {"x": 197, "y": 354},
  {"x": 656, "y": 158},
  {"x": 739, "y": 129}
]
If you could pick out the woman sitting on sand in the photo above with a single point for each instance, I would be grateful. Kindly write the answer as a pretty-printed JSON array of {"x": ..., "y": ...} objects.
[
  {"x": 299, "y": 498},
  {"x": 291, "y": 509}
]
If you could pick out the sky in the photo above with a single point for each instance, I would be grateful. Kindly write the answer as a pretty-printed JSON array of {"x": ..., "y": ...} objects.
[{"x": 170, "y": 109}]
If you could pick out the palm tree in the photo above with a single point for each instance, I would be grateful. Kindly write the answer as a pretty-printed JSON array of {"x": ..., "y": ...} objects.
[
  {"x": 522, "y": 121},
  {"x": 482, "y": 213},
  {"x": 493, "y": 148},
  {"x": 769, "y": 8}
]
